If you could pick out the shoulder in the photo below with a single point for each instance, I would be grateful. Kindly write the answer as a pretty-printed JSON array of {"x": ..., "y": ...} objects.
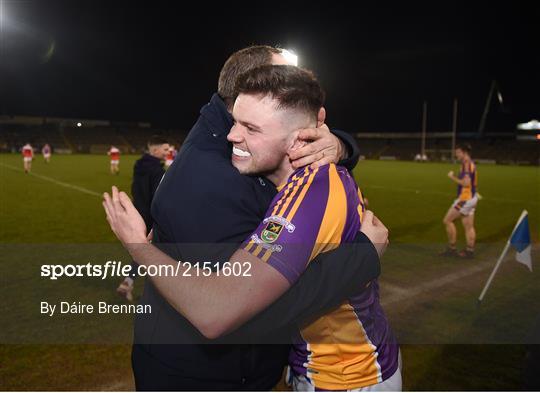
[
  {"x": 304, "y": 179},
  {"x": 306, "y": 192},
  {"x": 208, "y": 174},
  {"x": 319, "y": 180}
]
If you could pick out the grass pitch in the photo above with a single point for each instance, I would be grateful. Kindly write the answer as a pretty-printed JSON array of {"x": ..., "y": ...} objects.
[{"x": 54, "y": 215}]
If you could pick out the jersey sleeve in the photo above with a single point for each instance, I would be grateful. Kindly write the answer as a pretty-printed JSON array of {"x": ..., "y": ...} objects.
[{"x": 288, "y": 235}]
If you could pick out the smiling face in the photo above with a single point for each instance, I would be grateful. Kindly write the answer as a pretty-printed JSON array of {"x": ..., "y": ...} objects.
[
  {"x": 261, "y": 136},
  {"x": 273, "y": 103},
  {"x": 461, "y": 155},
  {"x": 159, "y": 151}
]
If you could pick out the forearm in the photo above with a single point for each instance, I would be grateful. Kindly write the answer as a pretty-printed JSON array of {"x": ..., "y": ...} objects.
[
  {"x": 461, "y": 182},
  {"x": 350, "y": 150},
  {"x": 204, "y": 299},
  {"x": 215, "y": 303}
]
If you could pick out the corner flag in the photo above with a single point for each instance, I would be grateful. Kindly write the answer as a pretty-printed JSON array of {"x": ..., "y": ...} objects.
[{"x": 521, "y": 241}]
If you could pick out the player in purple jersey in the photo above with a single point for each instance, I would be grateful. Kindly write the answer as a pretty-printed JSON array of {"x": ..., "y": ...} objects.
[
  {"x": 46, "y": 151},
  {"x": 464, "y": 206},
  {"x": 265, "y": 129}
]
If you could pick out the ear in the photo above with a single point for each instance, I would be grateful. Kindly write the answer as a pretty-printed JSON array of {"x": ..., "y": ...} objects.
[
  {"x": 295, "y": 142},
  {"x": 321, "y": 117}
]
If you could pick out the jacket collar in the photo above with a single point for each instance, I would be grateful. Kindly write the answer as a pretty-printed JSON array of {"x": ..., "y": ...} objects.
[{"x": 219, "y": 119}]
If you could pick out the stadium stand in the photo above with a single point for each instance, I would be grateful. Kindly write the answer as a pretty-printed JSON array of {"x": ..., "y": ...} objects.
[
  {"x": 96, "y": 136},
  {"x": 500, "y": 148},
  {"x": 79, "y": 136}
]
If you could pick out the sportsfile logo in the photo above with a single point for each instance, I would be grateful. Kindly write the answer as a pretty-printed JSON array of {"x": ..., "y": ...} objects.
[
  {"x": 109, "y": 269},
  {"x": 118, "y": 269}
]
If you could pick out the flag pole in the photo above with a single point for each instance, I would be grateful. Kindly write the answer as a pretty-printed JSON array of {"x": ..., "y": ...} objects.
[
  {"x": 488, "y": 283},
  {"x": 499, "y": 261}
]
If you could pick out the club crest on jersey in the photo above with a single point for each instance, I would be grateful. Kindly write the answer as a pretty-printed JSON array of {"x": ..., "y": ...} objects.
[
  {"x": 280, "y": 220},
  {"x": 271, "y": 232},
  {"x": 266, "y": 246}
]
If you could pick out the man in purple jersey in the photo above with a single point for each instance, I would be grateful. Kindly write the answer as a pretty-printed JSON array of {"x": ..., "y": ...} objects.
[
  {"x": 464, "y": 206},
  {"x": 310, "y": 215}
]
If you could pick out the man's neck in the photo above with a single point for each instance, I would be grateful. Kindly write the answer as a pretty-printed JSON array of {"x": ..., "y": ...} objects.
[{"x": 282, "y": 174}]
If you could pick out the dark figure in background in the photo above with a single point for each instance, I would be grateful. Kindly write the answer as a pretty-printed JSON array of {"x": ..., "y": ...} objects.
[{"x": 147, "y": 174}]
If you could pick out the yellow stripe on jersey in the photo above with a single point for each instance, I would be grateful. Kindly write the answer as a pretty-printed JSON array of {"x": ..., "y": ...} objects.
[
  {"x": 257, "y": 250},
  {"x": 287, "y": 195},
  {"x": 474, "y": 181},
  {"x": 301, "y": 196},
  {"x": 361, "y": 205},
  {"x": 335, "y": 215},
  {"x": 297, "y": 184},
  {"x": 347, "y": 363},
  {"x": 283, "y": 198},
  {"x": 249, "y": 245},
  {"x": 266, "y": 255}
]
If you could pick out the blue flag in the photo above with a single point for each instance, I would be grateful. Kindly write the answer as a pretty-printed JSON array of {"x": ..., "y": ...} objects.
[{"x": 521, "y": 241}]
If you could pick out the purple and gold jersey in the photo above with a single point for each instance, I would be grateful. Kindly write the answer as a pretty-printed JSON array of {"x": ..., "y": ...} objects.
[
  {"x": 314, "y": 212},
  {"x": 466, "y": 193}
]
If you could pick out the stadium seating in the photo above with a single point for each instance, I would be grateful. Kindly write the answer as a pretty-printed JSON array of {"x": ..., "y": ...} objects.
[
  {"x": 95, "y": 139},
  {"x": 501, "y": 150},
  {"x": 97, "y": 136}
]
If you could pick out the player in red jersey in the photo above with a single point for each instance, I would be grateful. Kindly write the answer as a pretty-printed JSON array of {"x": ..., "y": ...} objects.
[
  {"x": 28, "y": 156},
  {"x": 114, "y": 153},
  {"x": 171, "y": 155}
]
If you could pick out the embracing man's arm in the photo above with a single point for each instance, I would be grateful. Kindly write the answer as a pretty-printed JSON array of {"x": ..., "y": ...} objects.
[
  {"x": 214, "y": 304},
  {"x": 217, "y": 303},
  {"x": 329, "y": 280}
]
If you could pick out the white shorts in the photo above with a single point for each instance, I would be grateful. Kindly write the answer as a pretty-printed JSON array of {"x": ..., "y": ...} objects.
[
  {"x": 27, "y": 159},
  {"x": 47, "y": 155},
  {"x": 115, "y": 162},
  {"x": 465, "y": 208},
  {"x": 393, "y": 384}
]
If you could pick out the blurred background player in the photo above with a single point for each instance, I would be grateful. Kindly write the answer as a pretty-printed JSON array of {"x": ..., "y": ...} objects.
[
  {"x": 46, "y": 151},
  {"x": 147, "y": 174},
  {"x": 465, "y": 204},
  {"x": 28, "y": 156},
  {"x": 171, "y": 155},
  {"x": 114, "y": 153}
]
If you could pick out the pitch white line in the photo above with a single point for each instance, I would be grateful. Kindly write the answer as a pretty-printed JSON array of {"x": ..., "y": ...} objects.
[
  {"x": 394, "y": 289},
  {"x": 116, "y": 387},
  {"x": 402, "y": 294},
  {"x": 57, "y": 182}
]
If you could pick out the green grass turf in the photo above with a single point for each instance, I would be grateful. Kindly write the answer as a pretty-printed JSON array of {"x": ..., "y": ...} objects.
[{"x": 43, "y": 222}]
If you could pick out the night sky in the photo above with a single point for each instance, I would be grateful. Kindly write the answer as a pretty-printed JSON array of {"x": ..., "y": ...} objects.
[{"x": 159, "y": 62}]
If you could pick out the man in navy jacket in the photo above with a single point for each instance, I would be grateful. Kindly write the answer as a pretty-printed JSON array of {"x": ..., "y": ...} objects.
[{"x": 202, "y": 211}]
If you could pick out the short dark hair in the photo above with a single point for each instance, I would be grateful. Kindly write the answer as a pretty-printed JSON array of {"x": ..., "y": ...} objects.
[
  {"x": 465, "y": 147},
  {"x": 240, "y": 62},
  {"x": 155, "y": 140},
  {"x": 291, "y": 86}
]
